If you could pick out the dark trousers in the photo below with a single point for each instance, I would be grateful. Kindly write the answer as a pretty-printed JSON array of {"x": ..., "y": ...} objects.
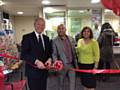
[
  {"x": 104, "y": 65},
  {"x": 37, "y": 83}
]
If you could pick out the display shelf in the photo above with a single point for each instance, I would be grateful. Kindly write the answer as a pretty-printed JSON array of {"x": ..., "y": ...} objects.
[{"x": 116, "y": 49}]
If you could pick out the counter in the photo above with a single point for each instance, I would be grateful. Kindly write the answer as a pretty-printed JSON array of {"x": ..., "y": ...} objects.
[
  {"x": 116, "y": 49},
  {"x": 116, "y": 60}
]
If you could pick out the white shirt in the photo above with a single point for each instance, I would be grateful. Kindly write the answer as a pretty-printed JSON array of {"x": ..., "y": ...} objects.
[{"x": 37, "y": 35}]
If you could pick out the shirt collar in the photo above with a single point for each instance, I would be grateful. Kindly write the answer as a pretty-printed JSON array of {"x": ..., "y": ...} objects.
[
  {"x": 37, "y": 34},
  {"x": 66, "y": 37}
]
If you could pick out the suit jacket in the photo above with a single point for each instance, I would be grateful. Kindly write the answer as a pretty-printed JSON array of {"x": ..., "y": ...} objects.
[
  {"x": 31, "y": 50},
  {"x": 58, "y": 50}
]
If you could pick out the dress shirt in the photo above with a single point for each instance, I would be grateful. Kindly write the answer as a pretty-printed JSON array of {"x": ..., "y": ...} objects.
[{"x": 37, "y": 35}]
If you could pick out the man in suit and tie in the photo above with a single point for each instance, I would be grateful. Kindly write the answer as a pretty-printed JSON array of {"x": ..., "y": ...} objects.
[
  {"x": 64, "y": 50},
  {"x": 36, "y": 51}
]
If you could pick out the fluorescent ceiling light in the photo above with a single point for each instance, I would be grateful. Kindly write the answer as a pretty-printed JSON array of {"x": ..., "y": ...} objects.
[
  {"x": 1, "y": 3},
  {"x": 95, "y": 1},
  {"x": 49, "y": 10},
  {"x": 81, "y": 11},
  {"x": 20, "y": 13},
  {"x": 45, "y": 2}
]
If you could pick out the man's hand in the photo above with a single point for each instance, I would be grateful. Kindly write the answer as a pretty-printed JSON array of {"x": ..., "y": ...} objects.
[
  {"x": 39, "y": 64},
  {"x": 48, "y": 63},
  {"x": 94, "y": 71}
]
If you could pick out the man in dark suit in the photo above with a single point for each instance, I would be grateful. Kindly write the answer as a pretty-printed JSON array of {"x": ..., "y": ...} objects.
[{"x": 36, "y": 51}]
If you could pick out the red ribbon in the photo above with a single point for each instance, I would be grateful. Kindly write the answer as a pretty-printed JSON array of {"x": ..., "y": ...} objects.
[
  {"x": 8, "y": 56},
  {"x": 33, "y": 65},
  {"x": 95, "y": 71},
  {"x": 58, "y": 65}
]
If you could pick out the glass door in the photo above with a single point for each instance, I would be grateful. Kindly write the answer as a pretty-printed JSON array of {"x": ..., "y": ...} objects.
[{"x": 53, "y": 16}]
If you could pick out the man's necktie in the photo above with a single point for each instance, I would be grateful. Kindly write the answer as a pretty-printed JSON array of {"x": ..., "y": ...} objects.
[{"x": 41, "y": 42}]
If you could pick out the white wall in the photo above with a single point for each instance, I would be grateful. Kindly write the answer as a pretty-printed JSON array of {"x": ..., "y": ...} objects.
[
  {"x": 23, "y": 25},
  {"x": 113, "y": 20}
]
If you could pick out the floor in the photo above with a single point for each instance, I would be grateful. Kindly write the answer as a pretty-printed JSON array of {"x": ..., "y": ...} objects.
[{"x": 112, "y": 84}]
